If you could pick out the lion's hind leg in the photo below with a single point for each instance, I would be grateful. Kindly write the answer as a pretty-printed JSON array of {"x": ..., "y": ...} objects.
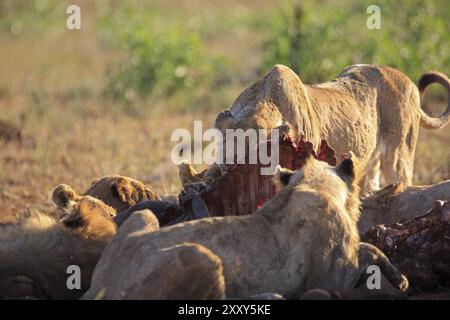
[
  {"x": 186, "y": 271},
  {"x": 397, "y": 165},
  {"x": 371, "y": 180}
]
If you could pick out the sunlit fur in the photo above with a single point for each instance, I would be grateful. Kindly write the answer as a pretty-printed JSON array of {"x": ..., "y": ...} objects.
[
  {"x": 36, "y": 250},
  {"x": 305, "y": 237}
]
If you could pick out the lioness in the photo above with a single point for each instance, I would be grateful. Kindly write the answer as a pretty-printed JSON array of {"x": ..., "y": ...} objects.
[
  {"x": 37, "y": 250},
  {"x": 399, "y": 204},
  {"x": 305, "y": 237},
  {"x": 373, "y": 111}
]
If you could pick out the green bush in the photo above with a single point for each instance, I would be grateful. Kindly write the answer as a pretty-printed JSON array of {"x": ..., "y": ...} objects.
[
  {"x": 162, "y": 56},
  {"x": 329, "y": 36}
]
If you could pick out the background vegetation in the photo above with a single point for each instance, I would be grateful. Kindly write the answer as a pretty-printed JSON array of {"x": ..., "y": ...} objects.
[
  {"x": 319, "y": 41},
  {"x": 106, "y": 98}
]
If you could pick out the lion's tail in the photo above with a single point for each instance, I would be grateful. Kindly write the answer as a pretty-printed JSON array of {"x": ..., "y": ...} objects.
[{"x": 425, "y": 80}]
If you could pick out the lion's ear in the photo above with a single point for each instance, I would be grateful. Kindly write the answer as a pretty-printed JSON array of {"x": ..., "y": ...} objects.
[
  {"x": 282, "y": 176},
  {"x": 62, "y": 195},
  {"x": 225, "y": 120},
  {"x": 346, "y": 170}
]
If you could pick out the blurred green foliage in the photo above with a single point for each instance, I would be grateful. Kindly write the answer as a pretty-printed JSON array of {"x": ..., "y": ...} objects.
[
  {"x": 318, "y": 39},
  {"x": 167, "y": 52},
  {"x": 162, "y": 55},
  {"x": 19, "y": 16}
]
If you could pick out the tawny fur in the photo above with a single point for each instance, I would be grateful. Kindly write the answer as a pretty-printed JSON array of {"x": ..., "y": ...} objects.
[
  {"x": 36, "y": 251},
  {"x": 373, "y": 111},
  {"x": 303, "y": 238},
  {"x": 120, "y": 192},
  {"x": 399, "y": 203}
]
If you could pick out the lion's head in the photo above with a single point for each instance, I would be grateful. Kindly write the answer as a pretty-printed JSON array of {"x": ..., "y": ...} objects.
[
  {"x": 322, "y": 201},
  {"x": 37, "y": 249},
  {"x": 85, "y": 215},
  {"x": 120, "y": 192},
  {"x": 323, "y": 184}
]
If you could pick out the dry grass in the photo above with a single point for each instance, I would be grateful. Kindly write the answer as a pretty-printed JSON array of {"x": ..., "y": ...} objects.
[{"x": 50, "y": 87}]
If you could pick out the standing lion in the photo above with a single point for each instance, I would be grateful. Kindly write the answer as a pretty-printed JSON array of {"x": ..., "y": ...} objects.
[{"x": 373, "y": 111}]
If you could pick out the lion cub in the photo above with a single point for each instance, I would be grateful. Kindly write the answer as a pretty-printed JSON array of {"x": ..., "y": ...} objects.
[{"x": 304, "y": 238}]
